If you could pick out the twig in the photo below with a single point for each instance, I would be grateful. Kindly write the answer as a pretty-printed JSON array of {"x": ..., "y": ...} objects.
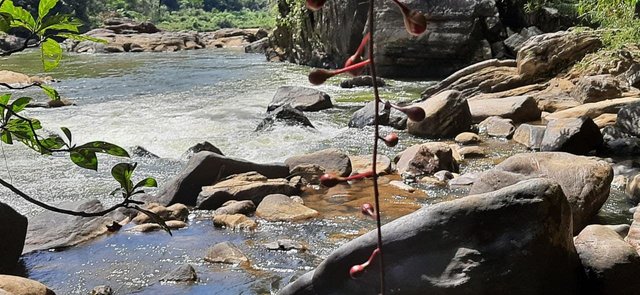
[
  {"x": 123, "y": 204},
  {"x": 34, "y": 84},
  {"x": 376, "y": 95}
]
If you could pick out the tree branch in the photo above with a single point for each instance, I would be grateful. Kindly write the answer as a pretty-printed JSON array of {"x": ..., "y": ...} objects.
[
  {"x": 34, "y": 84},
  {"x": 124, "y": 204}
]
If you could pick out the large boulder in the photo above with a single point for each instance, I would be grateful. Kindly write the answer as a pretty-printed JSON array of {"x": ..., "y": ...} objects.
[
  {"x": 594, "y": 109},
  {"x": 516, "y": 240},
  {"x": 331, "y": 160},
  {"x": 13, "y": 230},
  {"x": 544, "y": 55},
  {"x": 520, "y": 109},
  {"x": 585, "y": 182},
  {"x": 207, "y": 168},
  {"x": 529, "y": 136},
  {"x": 447, "y": 115},
  {"x": 69, "y": 230},
  {"x": 300, "y": 98},
  {"x": 21, "y": 286},
  {"x": 387, "y": 117},
  {"x": 573, "y": 135},
  {"x": 456, "y": 35},
  {"x": 427, "y": 159},
  {"x": 611, "y": 264},
  {"x": 246, "y": 186}
]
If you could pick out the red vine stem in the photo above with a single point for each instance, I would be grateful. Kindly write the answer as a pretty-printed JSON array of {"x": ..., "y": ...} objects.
[{"x": 376, "y": 133}]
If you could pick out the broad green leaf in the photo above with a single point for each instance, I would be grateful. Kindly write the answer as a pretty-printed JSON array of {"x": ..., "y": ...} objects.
[
  {"x": 81, "y": 38},
  {"x": 85, "y": 159},
  {"x": 147, "y": 182},
  {"x": 5, "y": 22},
  {"x": 122, "y": 173},
  {"x": 50, "y": 92},
  {"x": 4, "y": 99},
  {"x": 20, "y": 17},
  {"x": 44, "y": 7},
  {"x": 60, "y": 22},
  {"x": 157, "y": 219},
  {"x": 6, "y": 137},
  {"x": 20, "y": 104},
  {"x": 67, "y": 133},
  {"x": 105, "y": 148},
  {"x": 51, "y": 54}
]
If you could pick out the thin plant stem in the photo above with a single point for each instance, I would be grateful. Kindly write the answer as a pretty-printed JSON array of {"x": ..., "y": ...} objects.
[{"x": 376, "y": 128}]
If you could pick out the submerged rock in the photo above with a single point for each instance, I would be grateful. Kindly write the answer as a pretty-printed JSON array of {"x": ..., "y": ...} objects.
[
  {"x": 226, "y": 253},
  {"x": 285, "y": 245},
  {"x": 300, "y": 98},
  {"x": 183, "y": 273},
  {"x": 447, "y": 115},
  {"x": 386, "y": 117},
  {"x": 285, "y": 114},
  {"x": 21, "y": 286},
  {"x": 586, "y": 182},
  {"x": 279, "y": 207},
  {"x": 471, "y": 255},
  {"x": 13, "y": 230},
  {"x": 207, "y": 168},
  {"x": 234, "y": 222},
  {"x": 102, "y": 290}
]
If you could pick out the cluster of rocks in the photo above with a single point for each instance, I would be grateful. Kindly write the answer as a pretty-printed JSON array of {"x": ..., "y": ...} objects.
[{"x": 124, "y": 35}]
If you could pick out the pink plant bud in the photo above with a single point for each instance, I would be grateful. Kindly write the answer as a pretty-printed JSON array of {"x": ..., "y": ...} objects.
[
  {"x": 358, "y": 269},
  {"x": 414, "y": 22},
  {"x": 391, "y": 139},
  {"x": 360, "y": 175},
  {"x": 315, "y": 4},
  {"x": 367, "y": 209},
  {"x": 319, "y": 76},
  {"x": 331, "y": 180},
  {"x": 414, "y": 113},
  {"x": 357, "y": 57}
]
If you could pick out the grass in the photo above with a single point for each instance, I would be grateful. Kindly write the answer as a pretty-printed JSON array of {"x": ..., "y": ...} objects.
[{"x": 200, "y": 20}]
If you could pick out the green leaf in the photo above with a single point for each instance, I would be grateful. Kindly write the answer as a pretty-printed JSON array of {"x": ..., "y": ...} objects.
[
  {"x": 50, "y": 92},
  {"x": 147, "y": 182},
  {"x": 20, "y": 17},
  {"x": 122, "y": 173},
  {"x": 105, "y": 148},
  {"x": 67, "y": 133},
  {"x": 51, "y": 54},
  {"x": 4, "y": 99},
  {"x": 45, "y": 6},
  {"x": 85, "y": 159},
  {"x": 60, "y": 22},
  {"x": 6, "y": 137},
  {"x": 157, "y": 219},
  {"x": 81, "y": 38},
  {"x": 5, "y": 22},
  {"x": 20, "y": 104}
]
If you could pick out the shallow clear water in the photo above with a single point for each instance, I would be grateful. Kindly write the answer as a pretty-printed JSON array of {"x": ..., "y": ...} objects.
[{"x": 167, "y": 102}]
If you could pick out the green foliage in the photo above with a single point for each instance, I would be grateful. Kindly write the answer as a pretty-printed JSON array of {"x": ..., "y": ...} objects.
[
  {"x": 200, "y": 20},
  {"x": 616, "y": 18}
]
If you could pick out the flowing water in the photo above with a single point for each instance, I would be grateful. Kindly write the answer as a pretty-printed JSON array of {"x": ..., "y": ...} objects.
[{"x": 167, "y": 102}]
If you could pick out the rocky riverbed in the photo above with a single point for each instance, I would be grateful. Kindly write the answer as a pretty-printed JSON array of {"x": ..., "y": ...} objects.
[{"x": 520, "y": 178}]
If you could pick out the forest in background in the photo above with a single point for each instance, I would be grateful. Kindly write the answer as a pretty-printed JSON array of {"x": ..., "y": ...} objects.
[{"x": 173, "y": 15}]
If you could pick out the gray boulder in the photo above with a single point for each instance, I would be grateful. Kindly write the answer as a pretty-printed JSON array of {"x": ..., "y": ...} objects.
[
  {"x": 628, "y": 120},
  {"x": 287, "y": 115},
  {"x": 529, "y": 136},
  {"x": 586, "y": 182},
  {"x": 387, "y": 117},
  {"x": 183, "y": 273},
  {"x": 596, "y": 88},
  {"x": 300, "y": 98},
  {"x": 361, "y": 81},
  {"x": 573, "y": 135},
  {"x": 200, "y": 147},
  {"x": 331, "y": 160},
  {"x": 13, "y": 230},
  {"x": 497, "y": 127},
  {"x": 611, "y": 264},
  {"x": 476, "y": 250},
  {"x": 207, "y": 168},
  {"x": 447, "y": 115}
]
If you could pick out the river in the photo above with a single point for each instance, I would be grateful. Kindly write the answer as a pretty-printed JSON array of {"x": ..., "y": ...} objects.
[{"x": 167, "y": 102}]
